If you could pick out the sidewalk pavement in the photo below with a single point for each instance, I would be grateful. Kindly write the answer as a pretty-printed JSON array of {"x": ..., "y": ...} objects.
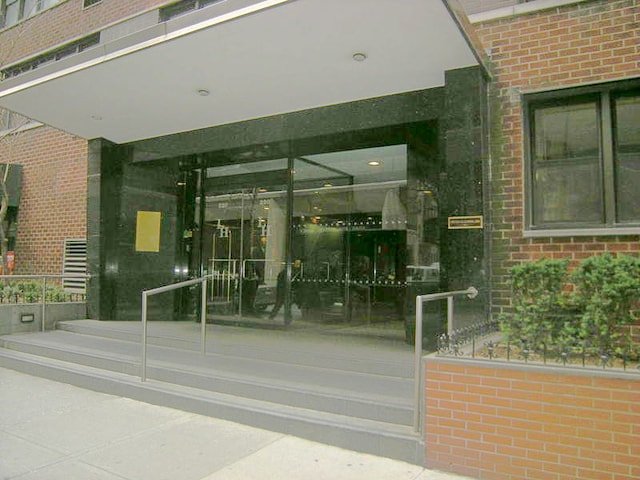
[{"x": 51, "y": 431}]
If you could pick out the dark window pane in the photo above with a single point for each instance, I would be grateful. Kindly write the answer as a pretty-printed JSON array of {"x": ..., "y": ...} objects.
[
  {"x": 627, "y": 158},
  {"x": 567, "y": 179}
]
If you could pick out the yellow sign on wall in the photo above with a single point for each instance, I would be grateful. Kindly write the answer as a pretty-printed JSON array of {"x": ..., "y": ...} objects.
[{"x": 148, "y": 231}]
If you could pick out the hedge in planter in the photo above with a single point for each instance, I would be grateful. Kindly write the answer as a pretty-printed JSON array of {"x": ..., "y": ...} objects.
[{"x": 548, "y": 313}]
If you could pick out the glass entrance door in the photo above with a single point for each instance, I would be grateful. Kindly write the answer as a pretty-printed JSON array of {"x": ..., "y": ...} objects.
[{"x": 244, "y": 236}]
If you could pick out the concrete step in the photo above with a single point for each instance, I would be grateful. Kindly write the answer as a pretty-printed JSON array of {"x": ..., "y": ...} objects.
[
  {"x": 367, "y": 396},
  {"x": 346, "y": 431},
  {"x": 329, "y": 351}
]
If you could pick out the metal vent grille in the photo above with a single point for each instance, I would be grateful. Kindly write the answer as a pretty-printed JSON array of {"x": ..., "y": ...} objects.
[{"x": 75, "y": 262}]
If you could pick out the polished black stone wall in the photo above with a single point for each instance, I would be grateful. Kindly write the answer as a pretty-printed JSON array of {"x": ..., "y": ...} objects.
[
  {"x": 375, "y": 113},
  {"x": 117, "y": 190}
]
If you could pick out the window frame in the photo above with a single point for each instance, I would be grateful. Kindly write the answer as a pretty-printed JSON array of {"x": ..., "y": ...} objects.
[{"x": 604, "y": 94}]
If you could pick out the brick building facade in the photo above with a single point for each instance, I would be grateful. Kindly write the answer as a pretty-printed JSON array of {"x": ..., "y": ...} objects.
[
  {"x": 565, "y": 47},
  {"x": 536, "y": 49},
  {"x": 53, "y": 198}
]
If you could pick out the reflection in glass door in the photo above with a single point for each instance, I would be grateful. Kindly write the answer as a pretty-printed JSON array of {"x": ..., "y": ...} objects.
[
  {"x": 344, "y": 238},
  {"x": 349, "y": 224}
]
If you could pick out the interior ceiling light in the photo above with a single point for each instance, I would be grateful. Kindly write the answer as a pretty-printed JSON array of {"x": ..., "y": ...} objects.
[
  {"x": 203, "y": 92},
  {"x": 374, "y": 163},
  {"x": 359, "y": 56},
  {"x": 327, "y": 185}
]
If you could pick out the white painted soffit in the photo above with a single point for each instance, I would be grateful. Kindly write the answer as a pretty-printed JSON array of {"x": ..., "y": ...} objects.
[{"x": 266, "y": 58}]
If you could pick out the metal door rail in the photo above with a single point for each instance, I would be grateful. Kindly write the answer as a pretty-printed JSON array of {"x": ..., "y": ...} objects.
[
  {"x": 470, "y": 292},
  {"x": 167, "y": 288}
]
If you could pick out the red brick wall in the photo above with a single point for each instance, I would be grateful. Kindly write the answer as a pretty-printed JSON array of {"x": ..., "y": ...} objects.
[
  {"x": 54, "y": 196},
  {"x": 64, "y": 22},
  {"x": 588, "y": 42},
  {"x": 518, "y": 421}
]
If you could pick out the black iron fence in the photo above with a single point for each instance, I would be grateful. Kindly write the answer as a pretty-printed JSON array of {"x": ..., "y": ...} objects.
[{"x": 484, "y": 340}]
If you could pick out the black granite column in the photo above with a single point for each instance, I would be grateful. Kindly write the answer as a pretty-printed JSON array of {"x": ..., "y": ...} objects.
[
  {"x": 464, "y": 141},
  {"x": 104, "y": 188}
]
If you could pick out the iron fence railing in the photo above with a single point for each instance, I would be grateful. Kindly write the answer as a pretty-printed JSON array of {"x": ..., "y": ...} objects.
[{"x": 485, "y": 341}]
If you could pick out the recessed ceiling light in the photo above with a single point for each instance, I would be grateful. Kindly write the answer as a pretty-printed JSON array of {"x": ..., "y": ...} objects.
[
  {"x": 327, "y": 185},
  {"x": 203, "y": 92},
  {"x": 374, "y": 163},
  {"x": 262, "y": 190},
  {"x": 359, "y": 56}
]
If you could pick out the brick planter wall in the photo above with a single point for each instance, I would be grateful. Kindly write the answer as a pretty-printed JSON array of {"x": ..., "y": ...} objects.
[{"x": 507, "y": 421}]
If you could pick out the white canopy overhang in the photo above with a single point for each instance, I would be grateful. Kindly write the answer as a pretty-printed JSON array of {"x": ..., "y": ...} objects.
[{"x": 243, "y": 59}]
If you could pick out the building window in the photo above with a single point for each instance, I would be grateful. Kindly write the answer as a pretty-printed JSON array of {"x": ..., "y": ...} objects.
[
  {"x": 183, "y": 6},
  {"x": 584, "y": 159},
  {"x": 12, "y": 11},
  {"x": 88, "y": 3}
]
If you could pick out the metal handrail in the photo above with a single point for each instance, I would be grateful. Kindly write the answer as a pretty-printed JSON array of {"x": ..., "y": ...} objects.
[
  {"x": 168, "y": 288},
  {"x": 470, "y": 292},
  {"x": 44, "y": 286}
]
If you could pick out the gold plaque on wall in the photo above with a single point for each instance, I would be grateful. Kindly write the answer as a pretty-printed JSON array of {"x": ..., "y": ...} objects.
[{"x": 465, "y": 222}]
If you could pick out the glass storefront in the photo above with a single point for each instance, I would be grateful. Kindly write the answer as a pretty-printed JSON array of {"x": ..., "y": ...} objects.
[{"x": 344, "y": 238}]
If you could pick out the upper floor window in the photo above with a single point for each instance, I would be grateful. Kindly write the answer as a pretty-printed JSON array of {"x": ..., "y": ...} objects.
[
  {"x": 584, "y": 159},
  {"x": 183, "y": 6},
  {"x": 12, "y": 11}
]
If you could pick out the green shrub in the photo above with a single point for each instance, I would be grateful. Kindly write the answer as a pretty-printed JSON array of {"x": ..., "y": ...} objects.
[
  {"x": 607, "y": 289},
  {"x": 31, "y": 292},
  {"x": 605, "y": 296},
  {"x": 538, "y": 301}
]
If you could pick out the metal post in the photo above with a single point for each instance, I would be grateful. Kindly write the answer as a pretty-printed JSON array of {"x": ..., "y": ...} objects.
[
  {"x": 203, "y": 317},
  {"x": 449, "y": 316},
  {"x": 143, "y": 368},
  {"x": 417, "y": 366},
  {"x": 242, "y": 271},
  {"x": 44, "y": 303}
]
